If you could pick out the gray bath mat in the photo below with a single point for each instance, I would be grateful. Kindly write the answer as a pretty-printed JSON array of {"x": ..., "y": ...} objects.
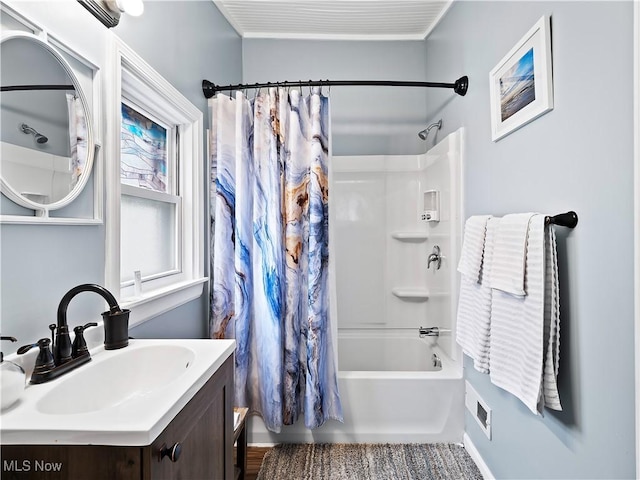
[{"x": 352, "y": 461}]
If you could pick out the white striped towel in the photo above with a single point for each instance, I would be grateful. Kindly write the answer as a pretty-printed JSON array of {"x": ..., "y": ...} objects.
[
  {"x": 509, "y": 254},
  {"x": 473, "y": 244},
  {"x": 473, "y": 326},
  {"x": 551, "y": 323},
  {"x": 517, "y": 325}
]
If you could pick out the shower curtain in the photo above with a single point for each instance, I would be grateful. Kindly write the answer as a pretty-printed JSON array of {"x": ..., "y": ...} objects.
[{"x": 270, "y": 289}]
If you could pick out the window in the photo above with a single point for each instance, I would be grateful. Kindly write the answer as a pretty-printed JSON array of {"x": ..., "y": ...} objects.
[
  {"x": 145, "y": 151},
  {"x": 150, "y": 203},
  {"x": 155, "y": 205}
]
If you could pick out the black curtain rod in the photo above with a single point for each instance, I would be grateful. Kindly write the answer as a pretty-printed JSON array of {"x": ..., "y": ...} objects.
[
  {"x": 459, "y": 86},
  {"x": 569, "y": 219},
  {"x": 13, "y": 88}
]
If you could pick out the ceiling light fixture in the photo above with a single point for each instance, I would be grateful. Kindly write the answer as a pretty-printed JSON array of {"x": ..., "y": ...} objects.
[
  {"x": 130, "y": 7},
  {"x": 109, "y": 11}
]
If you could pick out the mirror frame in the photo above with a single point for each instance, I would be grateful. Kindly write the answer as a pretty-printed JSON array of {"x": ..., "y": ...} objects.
[{"x": 42, "y": 209}]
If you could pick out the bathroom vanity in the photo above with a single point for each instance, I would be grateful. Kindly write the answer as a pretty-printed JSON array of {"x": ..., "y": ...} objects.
[{"x": 178, "y": 425}]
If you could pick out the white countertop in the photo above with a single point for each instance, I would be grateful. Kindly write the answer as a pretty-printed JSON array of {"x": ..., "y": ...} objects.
[{"x": 136, "y": 421}]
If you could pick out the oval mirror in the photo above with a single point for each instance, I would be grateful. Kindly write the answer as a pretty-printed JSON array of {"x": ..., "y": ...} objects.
[{"x": 46, "y": 136}]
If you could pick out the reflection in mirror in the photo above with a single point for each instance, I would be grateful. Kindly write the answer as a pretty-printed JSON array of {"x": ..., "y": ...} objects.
[{"x": 46, "y": 142}]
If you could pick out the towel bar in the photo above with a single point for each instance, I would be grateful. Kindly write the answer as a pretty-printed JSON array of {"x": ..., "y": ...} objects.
[{"x": 569, "y": 219}]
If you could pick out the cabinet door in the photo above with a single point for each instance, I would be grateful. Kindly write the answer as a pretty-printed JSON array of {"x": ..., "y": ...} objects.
[{"x": 204, "y": 432}]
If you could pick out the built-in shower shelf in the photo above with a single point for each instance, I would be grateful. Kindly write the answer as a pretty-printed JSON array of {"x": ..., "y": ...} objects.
[
  {"x": 411, "y": 293},
  {"x": 410, "y": 236}
]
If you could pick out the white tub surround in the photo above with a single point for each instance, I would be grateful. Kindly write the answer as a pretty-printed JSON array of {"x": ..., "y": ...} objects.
[
  {"x": 383, "y": 238},
  {"x": 387, "y": 351}
]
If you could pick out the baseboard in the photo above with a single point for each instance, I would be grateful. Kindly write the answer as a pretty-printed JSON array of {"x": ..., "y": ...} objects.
[{"x": 473, "y": 453}]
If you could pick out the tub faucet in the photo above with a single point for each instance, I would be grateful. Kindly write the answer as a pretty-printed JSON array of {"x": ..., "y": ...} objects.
[
  {"x": 435, "y": 257},
  {"x": 429, "y": 332}
]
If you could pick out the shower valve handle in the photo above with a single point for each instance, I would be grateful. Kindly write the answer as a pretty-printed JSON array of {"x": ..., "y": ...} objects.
[{"x": 435, "y": 257}]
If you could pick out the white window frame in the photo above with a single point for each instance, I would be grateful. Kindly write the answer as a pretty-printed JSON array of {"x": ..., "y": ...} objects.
[
  {"x": 172, "y": 196},
  {"x": 136, "y": 82},
  {"x": 636, "y": 142},
  {"x": 168, "y": 276}
]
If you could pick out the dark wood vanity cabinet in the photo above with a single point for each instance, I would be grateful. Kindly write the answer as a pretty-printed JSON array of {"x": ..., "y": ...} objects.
[
  {"x": 197, "y": 444},
  {"x": 203, "y": 431}
]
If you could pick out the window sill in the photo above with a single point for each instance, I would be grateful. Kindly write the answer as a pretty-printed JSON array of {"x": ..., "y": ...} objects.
[{"x": 153, "y": 303}]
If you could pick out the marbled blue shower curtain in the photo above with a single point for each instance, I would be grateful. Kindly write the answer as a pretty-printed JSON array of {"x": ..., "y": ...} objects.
[{"x": 270, "y": 253}]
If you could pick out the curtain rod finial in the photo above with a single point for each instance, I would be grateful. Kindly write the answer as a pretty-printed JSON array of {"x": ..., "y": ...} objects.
[
  {"x": 461, "y": 85},
  {"x": 208, "y": 88}
]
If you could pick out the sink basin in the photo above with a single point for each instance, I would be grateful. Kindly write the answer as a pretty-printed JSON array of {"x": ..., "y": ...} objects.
[
  {"x": 116, "y": 380},
  {"x": 121, "y": 397}
]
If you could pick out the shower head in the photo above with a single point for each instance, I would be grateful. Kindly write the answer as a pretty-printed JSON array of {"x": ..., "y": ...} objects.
[
  {"x": 424, "y": 133},
  {"x": 38, "y": 137}
]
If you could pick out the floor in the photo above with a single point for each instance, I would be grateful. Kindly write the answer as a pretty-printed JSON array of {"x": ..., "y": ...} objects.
[{"x": 254, "y": 461}]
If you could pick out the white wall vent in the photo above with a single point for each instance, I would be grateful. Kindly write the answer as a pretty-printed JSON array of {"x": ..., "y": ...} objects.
[{"x": 478, "y": 408}]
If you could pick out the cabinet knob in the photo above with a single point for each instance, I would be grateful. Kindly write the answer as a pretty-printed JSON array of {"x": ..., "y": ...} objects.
[{"x": 173, "y": 452}]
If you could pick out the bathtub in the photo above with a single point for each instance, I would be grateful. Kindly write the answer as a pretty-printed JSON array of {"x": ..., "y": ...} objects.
[{"x": 391, "y": 392}]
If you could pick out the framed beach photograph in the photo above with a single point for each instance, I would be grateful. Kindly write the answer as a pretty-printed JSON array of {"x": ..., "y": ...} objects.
[{"x": 521, "y": 85}]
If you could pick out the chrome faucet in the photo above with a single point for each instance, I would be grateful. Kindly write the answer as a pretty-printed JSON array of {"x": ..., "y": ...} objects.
[
  {"x": 435, "y": 257},
  {"x": 429, "y": 332}
]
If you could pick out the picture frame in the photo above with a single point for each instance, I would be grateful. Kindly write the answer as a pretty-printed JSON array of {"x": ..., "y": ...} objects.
[{"x": 521, "y": 84}]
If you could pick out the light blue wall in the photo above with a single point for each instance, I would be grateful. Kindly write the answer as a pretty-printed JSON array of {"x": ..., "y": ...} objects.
[
  {"x": 577, "y": 157},
  {"x": 365, "y": 120},
  {"x": 39, "y": 264},
  {"x": 185, "y": 42}
]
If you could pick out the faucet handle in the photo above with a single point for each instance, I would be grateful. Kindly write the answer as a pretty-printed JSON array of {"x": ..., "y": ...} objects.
[
  {"x": 25, "y": 348},
  {"x": 44, "y": 361},
  {"x": 79, "y": 343},
  {"x": 12, "y": 339},
  {"x": 435, "y": 256}
]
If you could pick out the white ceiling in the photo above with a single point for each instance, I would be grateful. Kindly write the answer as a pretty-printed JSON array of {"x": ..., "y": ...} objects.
[{"x": 334, "y": 19}]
